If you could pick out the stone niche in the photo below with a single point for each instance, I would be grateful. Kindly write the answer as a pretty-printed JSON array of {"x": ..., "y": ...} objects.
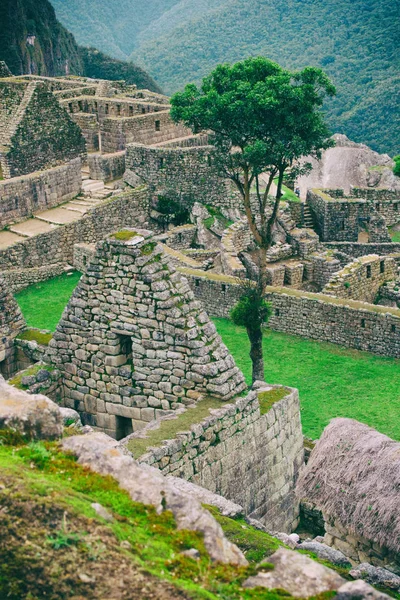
[{"x": 133, "y": 343}]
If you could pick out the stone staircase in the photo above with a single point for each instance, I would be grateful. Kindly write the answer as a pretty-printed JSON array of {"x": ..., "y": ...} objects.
[
  {"x": 307, "y": 217},
  {"x": 19, "y": 113},
  {"x": 93, "y": 193}
]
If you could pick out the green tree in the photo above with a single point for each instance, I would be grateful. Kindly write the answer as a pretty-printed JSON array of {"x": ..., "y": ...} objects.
[
  {"x": 251, "y": 312},
  {"x": 396, "y": 168},
  {"x": 263, "y": 119}
]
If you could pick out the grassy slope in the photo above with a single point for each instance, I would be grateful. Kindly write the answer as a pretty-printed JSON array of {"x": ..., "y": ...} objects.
[
  {"x": 333, "y": 382},
  {"x": 51, "y": 535}
]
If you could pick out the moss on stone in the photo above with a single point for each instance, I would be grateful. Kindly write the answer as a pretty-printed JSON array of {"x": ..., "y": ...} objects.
[
  {"x": 35, "y": 335},
  {"x": 33, "y": 370},
  {"x": 148, "y": 248},
  {"x": 268, "y": 398},
  {"x": 124, "y": 235}
]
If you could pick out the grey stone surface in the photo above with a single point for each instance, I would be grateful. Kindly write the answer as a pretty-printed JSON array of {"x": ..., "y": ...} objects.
[
  {"x": 100, "y": 453},
  {"x": 359, "y": 590},
  {"x": 326, "y": 553},
  {"x": 376, "y": 576},
  {"x": 35, "y": 416},
  {"x": 297, "y": 574}
]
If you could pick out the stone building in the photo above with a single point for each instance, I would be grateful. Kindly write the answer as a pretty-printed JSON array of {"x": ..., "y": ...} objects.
[
  {"x": 353, "y": 477},
  {"x": 133, "y": 343},
  {"x": 363, "y": 215},
  {"x": 36, "y": 132},
  {"x": 11, "y": 323}
]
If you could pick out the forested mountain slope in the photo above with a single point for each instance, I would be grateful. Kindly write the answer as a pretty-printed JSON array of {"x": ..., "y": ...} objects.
[
  {"x": 33, "y": 41},
  {"x": 181, "y": 40}
]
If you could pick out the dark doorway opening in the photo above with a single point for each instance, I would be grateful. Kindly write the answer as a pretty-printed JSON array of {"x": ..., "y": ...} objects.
[{"x": 124, "y": 427}]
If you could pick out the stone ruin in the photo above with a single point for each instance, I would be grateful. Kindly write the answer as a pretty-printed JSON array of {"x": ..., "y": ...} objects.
[
  {"x": 11, "y": 324},
  {"x": 133, "y": 343}
]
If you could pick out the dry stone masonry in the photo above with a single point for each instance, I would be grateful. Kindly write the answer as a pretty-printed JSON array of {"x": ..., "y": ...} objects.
[
  {"x": 11, "y": 323},
  {"x": 133, "y": 343}
]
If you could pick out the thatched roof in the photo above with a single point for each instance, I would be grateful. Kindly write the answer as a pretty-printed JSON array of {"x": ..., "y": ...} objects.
[{"x": 353, "y": 475}]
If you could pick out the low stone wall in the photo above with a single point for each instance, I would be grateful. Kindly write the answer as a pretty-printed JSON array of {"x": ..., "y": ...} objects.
[
  {"x": 248, "y": 457},
  {"x": 128, "y": 209},
  {"x": 151, "y": 128},
  {"x": 319, "y": 317},
  {"x": 19, "y": 279},
  {"x": 106, "y": 167},
  {"x": 362, "y": 278},
  {"x": 22, "y": 196},
  {"x": 181, "y": 237},
  {"x": 355, "y": 249}
]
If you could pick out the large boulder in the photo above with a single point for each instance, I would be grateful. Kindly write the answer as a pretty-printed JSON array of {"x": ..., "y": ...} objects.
[
  {"x": 33, "y": 415},
  {"x": 376, "y": 576},
  {"x": 325, "y": 552},
  {"x": 359, "y": 590},
  {"x": 147, "y": 485},
  {"x": 297, "y": 574}
]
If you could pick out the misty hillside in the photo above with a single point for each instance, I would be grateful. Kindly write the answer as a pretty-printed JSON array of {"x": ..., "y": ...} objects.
[{"x": 178, "y": 41}]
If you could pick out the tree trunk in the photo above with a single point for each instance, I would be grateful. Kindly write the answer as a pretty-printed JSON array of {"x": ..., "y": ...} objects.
[{"x": 256, "y": 354}]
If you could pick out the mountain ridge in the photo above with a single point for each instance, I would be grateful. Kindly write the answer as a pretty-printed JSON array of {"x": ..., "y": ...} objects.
[{"x": 355, "y": 43}]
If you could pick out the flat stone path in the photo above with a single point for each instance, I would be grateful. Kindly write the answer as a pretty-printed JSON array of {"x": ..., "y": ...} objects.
[
  {"x": 32, "y": 227},
  {"x": 7, "y": 238},
  {"x": 93, "y": 193}
]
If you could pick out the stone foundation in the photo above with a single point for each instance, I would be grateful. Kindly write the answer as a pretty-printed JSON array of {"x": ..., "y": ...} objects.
[{"x": 248, "y": 457}]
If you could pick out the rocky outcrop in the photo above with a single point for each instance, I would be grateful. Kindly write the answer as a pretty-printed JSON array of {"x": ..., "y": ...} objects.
[
  {"x": 349, "y": 165},
  {"x": 33, "y": 416},
  {"x": 101, "y": 454}
]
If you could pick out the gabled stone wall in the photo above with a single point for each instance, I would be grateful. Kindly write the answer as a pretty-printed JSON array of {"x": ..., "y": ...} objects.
[
  {"x": 43, "y": 136},
  {"x": 133, "y": 342}
]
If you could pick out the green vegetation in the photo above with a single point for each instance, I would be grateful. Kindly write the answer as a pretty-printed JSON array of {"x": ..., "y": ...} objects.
[
  {"x": 124, "y": 235},
  {"x": 34, "y": 335},
  {"x": 179, "y": 41},
  {"x": 98, "y": 65},
  {"x": 396, "y": 168},
  {"x": 395, "y": 233},
  {"x": 17, "y": 380},
  {"x": 169, "y": 429},
  {"x": 269, "y": 398},
  {"x": 49, "y": 524},
  {"x": 55, "y": 51},
  {"x": 332, "y": 381},
  {"x": 42, "y": 304}
]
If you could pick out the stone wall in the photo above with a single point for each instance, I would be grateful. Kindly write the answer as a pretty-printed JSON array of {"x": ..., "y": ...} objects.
[
  {"x": 23, "y": 196},
  {"x": 42, "y": 134},
  {"x": 132, "y": 342},
  {"x": 340, "y": 218},
  {"x": 319, "y": 317},
  {"x": 83, "y": 254},
  {"x": 244, "y": 454},
  {"x": 106, "y": 166},
  {"x": 129, "y": 208},
  {"x": 89, "y": 127},
  {"x": 355, "y": 249},
  {"x": 362, "y": 279},
  {"x": 180, "y": 173},
  {"x": 11, "y": 323},
  {"x": 18, "y": 279},
  {"x": 152, "y": 128}
]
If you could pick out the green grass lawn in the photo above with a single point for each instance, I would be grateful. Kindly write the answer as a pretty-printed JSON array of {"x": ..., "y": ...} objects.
[
  {"x": 42, "y": 304},
  {"x": 333, "y": 382},
  {"x": 395, "y": 235}
]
